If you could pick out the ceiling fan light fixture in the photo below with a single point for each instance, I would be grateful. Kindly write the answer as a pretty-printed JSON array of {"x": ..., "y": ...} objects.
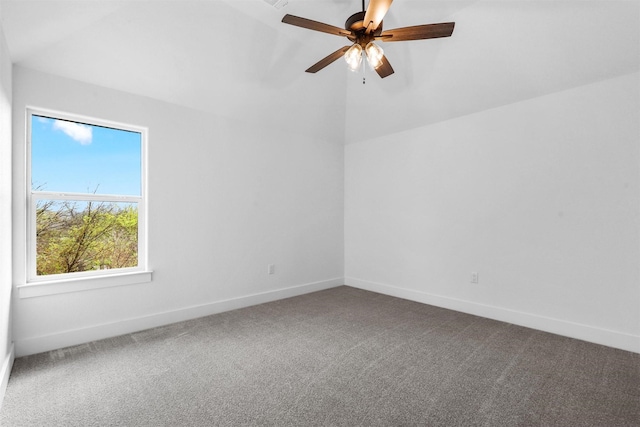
[
  {"x": 374, "y": 55},
  {"x": 353, "y": 56}
]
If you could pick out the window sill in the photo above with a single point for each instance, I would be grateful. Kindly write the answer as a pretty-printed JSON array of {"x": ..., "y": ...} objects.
[{"x": 39, "y": 289}]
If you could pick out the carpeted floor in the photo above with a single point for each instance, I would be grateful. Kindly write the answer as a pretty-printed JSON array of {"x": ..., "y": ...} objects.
[{"x": 338, "y": 357}]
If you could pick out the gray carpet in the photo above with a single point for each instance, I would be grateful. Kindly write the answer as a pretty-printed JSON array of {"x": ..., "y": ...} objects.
[{"x": 338, "y": 357}]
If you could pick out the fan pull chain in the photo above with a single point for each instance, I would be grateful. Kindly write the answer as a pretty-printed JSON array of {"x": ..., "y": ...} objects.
[{"x": 364, "y": 69}]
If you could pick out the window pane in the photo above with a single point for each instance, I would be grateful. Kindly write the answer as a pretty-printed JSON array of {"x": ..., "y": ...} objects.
[
  {"x": 74, "y": 236},
  {"x": 74, "y": 157}
]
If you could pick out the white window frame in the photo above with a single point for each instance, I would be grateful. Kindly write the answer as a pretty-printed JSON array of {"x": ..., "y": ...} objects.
[{"x": 69, "y": 282}]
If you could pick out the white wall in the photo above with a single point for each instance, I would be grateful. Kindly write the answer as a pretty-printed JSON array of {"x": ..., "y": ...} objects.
[
  {"x": 6, "y": 349},
  {"x": 225, "y": 200},
  {"x": 541, "y": 198}
]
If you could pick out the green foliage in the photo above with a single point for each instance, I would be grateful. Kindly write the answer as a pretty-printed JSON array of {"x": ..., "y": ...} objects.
[{"x": 96, "y": 236}]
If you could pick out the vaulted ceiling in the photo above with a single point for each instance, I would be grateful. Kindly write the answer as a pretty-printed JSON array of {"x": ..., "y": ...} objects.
[{"x": 236, "y": 59}]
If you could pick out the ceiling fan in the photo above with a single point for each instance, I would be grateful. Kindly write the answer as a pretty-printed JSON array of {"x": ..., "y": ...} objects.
[{"x": 362, "y": 28}]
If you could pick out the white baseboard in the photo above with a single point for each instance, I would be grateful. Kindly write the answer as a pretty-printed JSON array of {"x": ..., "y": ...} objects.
[
  {"x": 68, "y": 338},
  {"x": 556, "y": 326},
  {"x": 5, "y": 372}
]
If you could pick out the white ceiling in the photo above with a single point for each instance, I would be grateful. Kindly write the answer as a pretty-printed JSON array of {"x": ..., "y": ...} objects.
[{"x": 235, "y": 58}]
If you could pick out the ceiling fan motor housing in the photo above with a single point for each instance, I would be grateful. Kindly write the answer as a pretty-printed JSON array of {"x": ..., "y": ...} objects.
[{"x": 355, "y": 23}]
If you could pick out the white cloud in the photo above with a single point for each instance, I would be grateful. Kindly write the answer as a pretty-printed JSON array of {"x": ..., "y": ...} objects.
[{"x": 80, "y": 133}]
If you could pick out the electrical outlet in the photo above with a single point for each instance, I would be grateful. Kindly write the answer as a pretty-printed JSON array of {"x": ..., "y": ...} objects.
[
  {"x": 271, "y": 269},
  {"x": 474, "y": 277}
]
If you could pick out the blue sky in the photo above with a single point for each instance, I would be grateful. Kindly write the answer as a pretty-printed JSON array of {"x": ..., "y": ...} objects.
[{"x": 74, "y": 157}]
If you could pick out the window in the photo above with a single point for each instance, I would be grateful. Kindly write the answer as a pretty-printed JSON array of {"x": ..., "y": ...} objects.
[{"x": 86, "y": 198}]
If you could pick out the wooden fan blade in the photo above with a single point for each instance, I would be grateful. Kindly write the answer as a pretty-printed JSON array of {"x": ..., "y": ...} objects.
[
  {"x": 314, "y": 25},
  {"x": 418, "y": 32},
  {"x": 375, "y": 13},
  {"x": 385, "y": 68},
  {"x": 327, "y": 60}
]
